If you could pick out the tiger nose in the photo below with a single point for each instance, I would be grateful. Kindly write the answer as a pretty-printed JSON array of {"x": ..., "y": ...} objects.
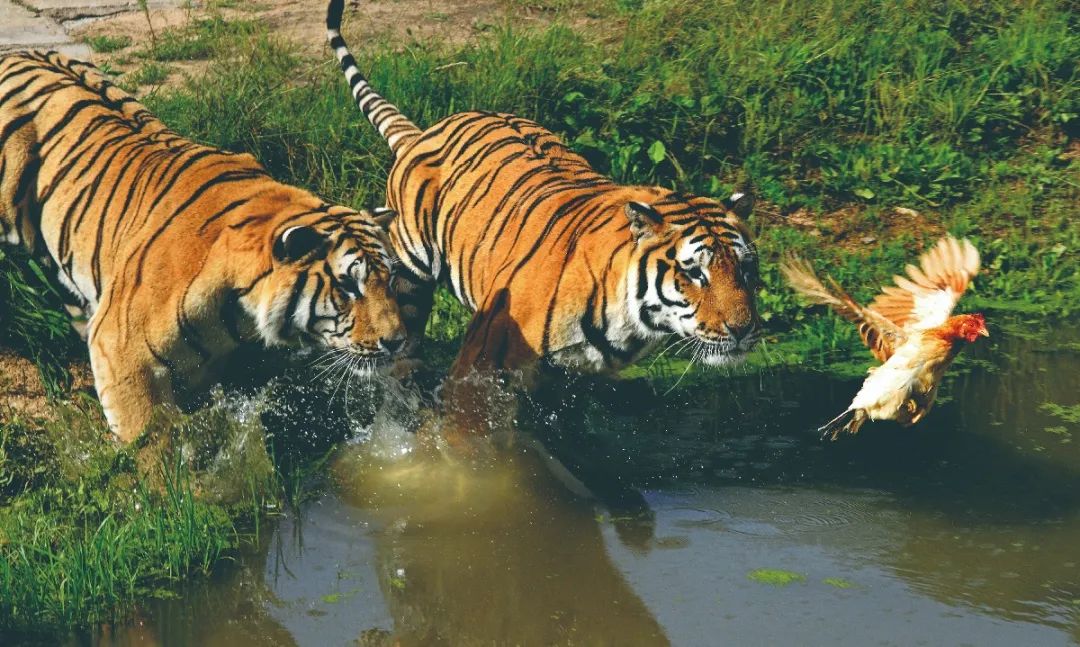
[
  {"x": 391, "y": 344},
  {"x": 740, "y": 332}
]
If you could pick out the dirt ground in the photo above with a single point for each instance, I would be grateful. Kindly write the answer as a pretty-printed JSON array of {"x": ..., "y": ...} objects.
[
  {"x": 449, "y": 22},
  {"x": 21, "y": 390}
]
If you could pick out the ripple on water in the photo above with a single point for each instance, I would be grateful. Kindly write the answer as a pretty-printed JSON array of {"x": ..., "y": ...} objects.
[{"x": 771, "y": 512}]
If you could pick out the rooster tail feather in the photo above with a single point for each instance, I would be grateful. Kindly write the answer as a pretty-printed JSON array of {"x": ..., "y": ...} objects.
[{"x": 849, "y": 421}]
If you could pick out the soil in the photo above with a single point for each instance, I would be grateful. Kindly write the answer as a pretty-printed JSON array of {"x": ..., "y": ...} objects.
[
  {"x": 21, "y": 391},
  {"x": 850, "y": 230},
  {"x": 452, "y": 23}
]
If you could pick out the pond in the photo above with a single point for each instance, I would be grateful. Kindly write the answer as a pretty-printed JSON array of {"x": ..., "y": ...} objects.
[{"x": 710, "y": 515}]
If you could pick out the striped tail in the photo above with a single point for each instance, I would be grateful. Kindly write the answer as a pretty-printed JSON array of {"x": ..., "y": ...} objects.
[{"x": 395, "y": 127}]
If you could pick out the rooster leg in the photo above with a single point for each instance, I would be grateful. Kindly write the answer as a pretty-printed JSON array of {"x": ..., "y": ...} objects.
[
  {"x": 856, "y": 422},
  {"x": 832, "y": 428},
  {"x": 850, "y": 421}
]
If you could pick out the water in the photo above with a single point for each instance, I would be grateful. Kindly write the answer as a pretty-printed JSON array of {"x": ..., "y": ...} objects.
[{"x": 962, "y": 531}]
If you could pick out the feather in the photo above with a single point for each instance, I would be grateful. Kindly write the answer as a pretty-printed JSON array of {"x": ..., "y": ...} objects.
[
  {"x": 927, "y": 295},
  {"x": 879, "y": 334}
]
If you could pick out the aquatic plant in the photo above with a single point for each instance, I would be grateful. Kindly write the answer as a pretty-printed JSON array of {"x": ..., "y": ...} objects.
[{"x": 775, "y": 577}]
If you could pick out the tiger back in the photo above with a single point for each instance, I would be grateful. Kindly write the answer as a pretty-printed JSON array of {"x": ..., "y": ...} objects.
[
  {"x": 560, "y": 263},
  {"x": 178, "y": 252}
]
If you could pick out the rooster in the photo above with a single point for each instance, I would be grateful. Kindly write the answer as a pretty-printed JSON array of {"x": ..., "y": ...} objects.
[{"x": 908, "y": 328}]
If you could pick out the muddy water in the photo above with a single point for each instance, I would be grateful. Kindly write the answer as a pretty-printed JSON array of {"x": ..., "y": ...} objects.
[{"x": 713, "y": 515}]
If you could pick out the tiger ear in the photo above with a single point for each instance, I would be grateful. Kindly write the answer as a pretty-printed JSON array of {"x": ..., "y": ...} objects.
[
  {"x": 297, "y": 242},
  {"x": 740, "y": 203},
  {"x": 644, "y": 220},
  {"x": 383, "y": 216}
]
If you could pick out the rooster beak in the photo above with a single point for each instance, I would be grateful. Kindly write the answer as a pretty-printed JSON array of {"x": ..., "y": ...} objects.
[{"x": 984, "y": 332}]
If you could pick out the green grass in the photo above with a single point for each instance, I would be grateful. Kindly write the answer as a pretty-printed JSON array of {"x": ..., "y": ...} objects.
[
  {"x": 87, "y": 527},
  {"x": 33, "y": 320},
  {"x": 106, "y": 44},
  {"x": 837, "y": 583},
  {"x": 148, "y": 73},
  {"x": 199, "y": 39},
  {"x": 961, "y": 112},
  {"x": 775, "y": 577}
]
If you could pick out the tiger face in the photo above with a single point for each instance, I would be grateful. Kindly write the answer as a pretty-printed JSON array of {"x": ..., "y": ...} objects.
[
  {"x": 331, "y": 290},
  {"x": 697, "y": 274}
]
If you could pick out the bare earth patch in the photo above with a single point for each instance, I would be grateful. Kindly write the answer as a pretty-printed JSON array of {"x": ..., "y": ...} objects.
[
  {"x": 850, "y": 230},
  {"x": 450, "y": 23},
  {"x": 21, "y": 390}
]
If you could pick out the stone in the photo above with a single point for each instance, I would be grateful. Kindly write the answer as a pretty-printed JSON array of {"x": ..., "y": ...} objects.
[
  {"x": 65, "y": 10},
  {"x": 20, "y": 28}
]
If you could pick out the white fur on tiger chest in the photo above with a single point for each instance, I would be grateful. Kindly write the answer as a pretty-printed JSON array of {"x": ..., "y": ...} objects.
[{"x": 579, "y": 354}]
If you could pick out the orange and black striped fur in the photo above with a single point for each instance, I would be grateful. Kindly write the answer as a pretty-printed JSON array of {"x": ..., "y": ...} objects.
[
  {"x": 560, "y": 263},
  {"x": 178, "y": 252}
]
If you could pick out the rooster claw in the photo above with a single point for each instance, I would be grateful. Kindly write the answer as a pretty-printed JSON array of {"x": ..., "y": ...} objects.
[{"x": 829, "y": 434}]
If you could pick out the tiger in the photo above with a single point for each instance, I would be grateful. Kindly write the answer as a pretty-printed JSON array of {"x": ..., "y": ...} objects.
[
  {"x": 559, "y": 264},
  {"x": 179, "y": 253}
]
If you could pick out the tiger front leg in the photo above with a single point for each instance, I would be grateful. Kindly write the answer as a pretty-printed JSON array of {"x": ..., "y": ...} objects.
[
  {"x": 415, "y": 297},
  {"x": 495, "y": 363},
  {"x": 130, "y": 383}
]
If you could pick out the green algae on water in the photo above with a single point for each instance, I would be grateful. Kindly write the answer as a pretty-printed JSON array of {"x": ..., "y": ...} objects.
[
  {"x": 775, "y": 577},
  {"x": 837, "y": 582}
]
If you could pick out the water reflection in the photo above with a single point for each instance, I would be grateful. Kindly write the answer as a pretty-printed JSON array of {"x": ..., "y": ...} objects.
[{"x": 501, "y": 552}]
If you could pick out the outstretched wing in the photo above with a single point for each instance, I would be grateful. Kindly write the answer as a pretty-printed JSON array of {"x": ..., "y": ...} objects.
[
  {"x": 927, "y": 295},
  {"x": 879, "y": 334}
]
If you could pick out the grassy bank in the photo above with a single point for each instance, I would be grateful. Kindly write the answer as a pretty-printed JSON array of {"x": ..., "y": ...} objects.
[
  {"x": 87, "y": 528},
  {"x": 868, "y": 128}
]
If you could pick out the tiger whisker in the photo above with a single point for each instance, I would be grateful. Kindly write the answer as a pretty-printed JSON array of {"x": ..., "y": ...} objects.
[
  {"x": 323, "y": 356},
  {"x": 345, "y": 372},
  {"x": 697, "y": 350},
  {"x": 341, "y": 356},
  {"x": 665, "y": 349},
  {"x": 348, "y": 383},
  {"x": 326, "y": 368},
  {"x": 343, "y": 359}
]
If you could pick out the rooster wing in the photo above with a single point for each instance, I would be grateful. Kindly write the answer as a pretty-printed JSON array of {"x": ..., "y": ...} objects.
[
  {"x": 880, "y": 334},
  {"x": 927, "y": 295}
]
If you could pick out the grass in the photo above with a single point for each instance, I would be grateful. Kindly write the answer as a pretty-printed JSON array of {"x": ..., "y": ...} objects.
[
  {"x": 968, "y": 122},
  {"x": 775, "y": 577},
  {"x": 149, "y": 73},
  {"x": 87, "y": 528},
  {"x": 105, "y": 44},
  {"x": 199, "y": 39},
  {"x": 33, "y": 320},
  {"x": 837, "y": 583},
  {"x": 965, "y": 113}
]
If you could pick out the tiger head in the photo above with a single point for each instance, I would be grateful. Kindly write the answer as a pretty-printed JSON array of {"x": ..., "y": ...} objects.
[
  {"x": 329, "y": 288},
  {"x": 696, "y": 274}
]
